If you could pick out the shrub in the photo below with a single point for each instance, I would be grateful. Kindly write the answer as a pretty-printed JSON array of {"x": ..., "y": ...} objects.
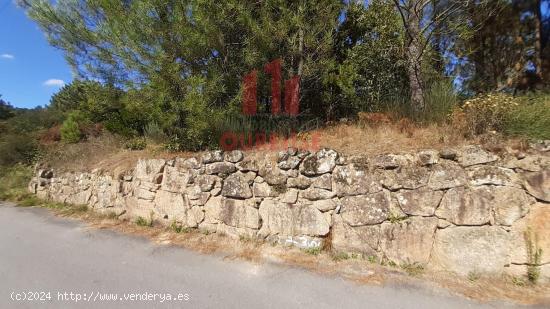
[
  {"x": 487, "y": 112},
  {"x": 18, "y": 148},
  {"x": 530, "y": 119},
  {"x": 13, "y": 183},
  {"x": 70, "y": 131},
  {"x": 440, "y": 101},
  {"x": 138, "y": 143}
]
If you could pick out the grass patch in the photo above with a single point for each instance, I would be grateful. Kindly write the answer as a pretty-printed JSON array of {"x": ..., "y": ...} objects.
[
  {"x": 413, "y": 269},
  {"x": 531, "y": 118},
  {"x": 340, "y": 256},
  {"x": 313, "y": 251}
]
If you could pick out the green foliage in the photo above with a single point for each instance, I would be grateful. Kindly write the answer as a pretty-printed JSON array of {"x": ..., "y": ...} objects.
[
  {"x": 531, "y": 118},
  {"x": 373, "y": 71},
  {"x": 70, "y": 130},
  {"x": 534, "y": 255},
  {"x": 441, "y": 99},
  {"x": 13, "y": 184},
  {"x": 6, "y": 110},
  {"x": 138, "y": 143},
  {"x": 313, "y": 251}
]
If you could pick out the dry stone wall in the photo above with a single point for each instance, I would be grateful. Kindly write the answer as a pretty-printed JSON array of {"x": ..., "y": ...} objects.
[{"x": 464, "y": 210}]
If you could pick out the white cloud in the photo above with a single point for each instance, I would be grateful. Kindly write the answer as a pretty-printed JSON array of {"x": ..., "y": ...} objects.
[
  {"x": 54, "y": 83},
  {"x": 7, "y": 56}
]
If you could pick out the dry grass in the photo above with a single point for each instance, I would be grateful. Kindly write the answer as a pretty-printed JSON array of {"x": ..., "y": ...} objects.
[
  {"x": 357, "y": 270},
  {"x": 355, "y": 139}
]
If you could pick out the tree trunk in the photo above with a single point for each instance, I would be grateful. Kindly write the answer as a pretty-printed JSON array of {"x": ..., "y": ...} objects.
[
  {"x": 538, "y": 38},
  {"x": 413, "y": 53}
]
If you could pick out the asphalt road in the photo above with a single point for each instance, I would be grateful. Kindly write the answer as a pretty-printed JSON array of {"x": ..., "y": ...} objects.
[{"x": 41, "y": 253}]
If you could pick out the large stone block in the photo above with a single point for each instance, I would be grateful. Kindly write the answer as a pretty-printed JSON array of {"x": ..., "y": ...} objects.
[
  {"x": 361, "y": 239},
  {"x": 148, "y": 170},
  {"x": 463, "y": 250},
  {"x": 292, "y": 220},
  {"x": 466, "y": 206},
  {"x": 538, "y": 184},
  {"x": 351, "y": 180},
  {"x": 447, "y": 175},
  {"x": 319, "y": 163},
  {"x": 421, "y": 202},
  {"x": 366, "y": 209},
  {"x": 409, "y": 241},
  {"x": 473, "y": 155},
  {"x": 236, "y": 186}
]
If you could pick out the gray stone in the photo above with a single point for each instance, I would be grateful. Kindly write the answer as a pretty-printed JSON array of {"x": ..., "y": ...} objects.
[
  {"x": 264, "y": 190},
  {"x": 493, "y": 175},
  {"x": 409, "y": 241},
  {"x": 47, "y": 174},
  {"x": 190, "y": 163},
  {"x": 273, "y": 175},
  {"x": 236, "y": 186},
  {"x": 388, "y": 161},
  {"x": 289, "y": 163},
  {"x": 448, "y": 154},
  {"x": 408, "y": 177},
  {"x": 447, "y": 175},
  {"x": 176, "y": 179},
  {"x": 233, "y": 156},
  {"x": 474, "y": 155},
  {"x": 325, "y": 205},
  {"x": 299, "y": 182},
  {"x": 466, "y": 206},
  {"x": 314, "y": 194},
  {"x": 510, "y": 204},
  {"x": 207, "y": 182},
  {"x": 290, "y": 197},
  {"x": 352, "y": 180},
  {"x": 366, "y": 209},
  {"x": 463, "y": 250},
  {"x": 248, "y": 164},
  {"x": 212, "y": 156},
  {"x": 362, "y": 239},
  {"x": 319, "y": 163},
  {"x": 538, "y": 184},
  {"x": 147, "y": 170},
  {"x": 145, "y": 194},
  {"x": 428, "y": 157},
  {"x": 220, "y": 168},
  {"x": 239, "y": 213},
  {"x": 323, "y": 182},
  {"x": 421, "y": 202},
  {"x": 292, "y": 220}
]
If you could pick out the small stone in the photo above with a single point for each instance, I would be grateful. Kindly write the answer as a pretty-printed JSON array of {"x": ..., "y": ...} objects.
[
  {"x": 323, "y": 182},
  {"x": 538, "y": 184},
  {"x": 319, "y": 163},
  {"x": 236, "y": 186},
  {"x": 448, "y": 154},
  {"x": 299, "y": 182},
  {"x": 212, "y": 156},
  {"x": 234, "y": 156},
  {"x": 366, "y": 209},
  {"x": 474, "y": 155},
  {"x": 314, "y": 194},
  {"x": 220, "y": 168},
  {"x": 290, "y": 197},
  {"x": 428, "y": 157},
  {"x": 325, "y": 205}
]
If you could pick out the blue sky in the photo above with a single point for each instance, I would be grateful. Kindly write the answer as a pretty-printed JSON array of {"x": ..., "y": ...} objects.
[{"x": 30, "y": 69}]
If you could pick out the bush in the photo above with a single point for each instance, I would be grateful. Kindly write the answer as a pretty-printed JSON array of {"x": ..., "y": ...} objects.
[
  {"x": 487, "y": 112},
  {"x": 18, "y": 148},
  {"x": 530, "y": 119},
  {"x": 440, "y": 101},
  {"x": 70, "y": 131},
  {"x": 14, "y": 181},
  {"x": 138, "y": 143}
]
